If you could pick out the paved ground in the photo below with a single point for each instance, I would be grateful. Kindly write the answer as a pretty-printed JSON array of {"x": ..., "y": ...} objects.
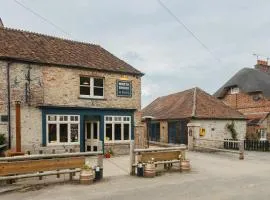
[{"x": 214, "y": 176}]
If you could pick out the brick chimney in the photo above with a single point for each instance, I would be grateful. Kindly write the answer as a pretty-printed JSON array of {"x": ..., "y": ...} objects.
[
  {"x": 1, "y": 23},
  {"x": 263, "y": 66}
]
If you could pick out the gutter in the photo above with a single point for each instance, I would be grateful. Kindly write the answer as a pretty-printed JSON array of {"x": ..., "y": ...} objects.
[{"x": 9, "y": 104}]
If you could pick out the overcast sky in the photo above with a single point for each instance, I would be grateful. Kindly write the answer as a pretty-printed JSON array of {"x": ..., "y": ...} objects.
[{"x": 143, "y": 34}]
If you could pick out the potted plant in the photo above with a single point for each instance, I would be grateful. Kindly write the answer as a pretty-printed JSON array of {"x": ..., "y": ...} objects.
[
  {"x": 87, "y": 175},
  {"x": 108, "y": 153},
  {"x": 2, "y": 139}
]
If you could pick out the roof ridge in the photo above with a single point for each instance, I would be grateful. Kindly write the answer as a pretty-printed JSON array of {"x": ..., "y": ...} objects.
[{"x": 45, "y": 35}]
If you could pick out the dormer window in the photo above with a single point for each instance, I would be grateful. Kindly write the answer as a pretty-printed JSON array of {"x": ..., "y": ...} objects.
[{"x": 234, "y": 90}]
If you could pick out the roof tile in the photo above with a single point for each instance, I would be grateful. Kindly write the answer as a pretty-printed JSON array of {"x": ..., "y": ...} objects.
[{"x": 38, "y": 48}]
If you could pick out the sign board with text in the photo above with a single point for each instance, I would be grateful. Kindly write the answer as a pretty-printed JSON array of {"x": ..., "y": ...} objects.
[{"x": 123, "y": 88}]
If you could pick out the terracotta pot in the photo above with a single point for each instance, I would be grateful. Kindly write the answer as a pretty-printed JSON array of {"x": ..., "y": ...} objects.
[
  {"x": 107, "y": 155},
  {"x": 185, "y": 165},
  {"x": 86, "y": 176},
  {"x": 150, "y": 170}
]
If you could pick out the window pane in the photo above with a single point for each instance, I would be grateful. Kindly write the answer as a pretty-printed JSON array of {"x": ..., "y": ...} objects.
[
  {"x": 84, "y": 90},
  {"x": 98, "y": 82},
  {"x": 98, "y": 92},
  {"x": 84, "y": 81},
  {"x": 108, "y": 131},
  {"x": 117, "y": 131},
  {"x": 74, "y": 132},
  {"x": 126, "y": 131},
  {"x": 95, "y": 129},
  {"x": 63, "y": 118},
  {"x": 88, "y": 130},
  {"x": 117, "y": 119},
  {"x": 52, "y": 118},
  {"x": 63, "y": 133},
  {"x": 52, "y": 133},
  {"x": 108, "y": 118}
]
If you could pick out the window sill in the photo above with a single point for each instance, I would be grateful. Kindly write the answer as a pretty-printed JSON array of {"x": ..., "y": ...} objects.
[
  {"x": 117, "y": 142},
  {"x": 62, "y": 144},
  {"x": 92, "y": 98},
  {"x": 3, "y": 123}
]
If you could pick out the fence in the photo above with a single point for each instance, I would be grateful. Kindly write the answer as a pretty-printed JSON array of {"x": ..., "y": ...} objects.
[
  {"x": 249, "y": 145},
  {"x": 45, "y": 164},
  {"x": 229, "y": 146}
]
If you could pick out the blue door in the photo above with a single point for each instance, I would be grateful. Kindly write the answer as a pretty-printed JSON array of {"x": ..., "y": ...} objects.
[
  {"x": 155, "y": 131},
  {"x": 172, "y": 132},
  {"x": 177, "y": 132}
]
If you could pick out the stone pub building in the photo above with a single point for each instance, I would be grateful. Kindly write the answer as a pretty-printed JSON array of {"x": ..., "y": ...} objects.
[{"x": 70, "y": 94}]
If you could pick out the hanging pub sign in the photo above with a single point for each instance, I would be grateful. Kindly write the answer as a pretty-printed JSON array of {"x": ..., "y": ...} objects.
[{"x": 123, "y": 88}]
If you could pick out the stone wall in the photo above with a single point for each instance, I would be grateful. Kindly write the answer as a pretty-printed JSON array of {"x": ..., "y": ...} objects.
[
  {"x": 35, "y": 85},
  {"x": 216, "y": 130},
  {"x": 3, "y": 97}
]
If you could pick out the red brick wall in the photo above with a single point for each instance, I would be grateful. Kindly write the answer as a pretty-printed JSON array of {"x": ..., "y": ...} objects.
[{"x": 245, "y": 103}]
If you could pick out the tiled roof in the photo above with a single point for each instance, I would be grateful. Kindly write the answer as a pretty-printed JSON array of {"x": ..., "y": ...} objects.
[
  {"x": 37, "y": 48},
  {"x": 192, "y": 103},
  {"x": 256, "y": 119}
]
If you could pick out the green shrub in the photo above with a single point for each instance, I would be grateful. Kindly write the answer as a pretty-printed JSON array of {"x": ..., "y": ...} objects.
[
  {"x": 231, "y": 128},
  {"x": 2, "y": 139}
]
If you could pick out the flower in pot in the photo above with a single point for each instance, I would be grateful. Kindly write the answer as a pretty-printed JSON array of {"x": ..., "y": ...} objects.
[
  {"x": 87, "y": 175},
  {"x": 109, "y": 153}
]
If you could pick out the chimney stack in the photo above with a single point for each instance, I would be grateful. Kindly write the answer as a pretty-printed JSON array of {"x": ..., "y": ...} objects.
[
  {"x": 1, "y": 23},
  {"x": 262, "y": 65}
]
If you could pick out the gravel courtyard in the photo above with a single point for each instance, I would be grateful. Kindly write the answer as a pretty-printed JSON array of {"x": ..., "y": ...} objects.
[{"x": 213, "y": 176}]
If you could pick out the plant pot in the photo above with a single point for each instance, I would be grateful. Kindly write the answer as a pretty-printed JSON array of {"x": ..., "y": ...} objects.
[
  {"x": 107, "y": 155},
  {"x": 185, "y": 165},
  {"x": 86, "y": 176},
  {"x": 150, "y": 170}
]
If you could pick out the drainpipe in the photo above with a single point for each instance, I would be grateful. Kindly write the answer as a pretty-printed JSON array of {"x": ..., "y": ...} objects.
[
  {"x": 18, "y": 126},
  {"x": 9, "y": 104}
]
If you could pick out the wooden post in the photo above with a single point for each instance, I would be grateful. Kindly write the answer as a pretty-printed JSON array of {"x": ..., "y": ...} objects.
[
  {"x": 241, "y": 150},
  {"x": 40, "y": 177},
  {"x": 132, "y": 158},
  {"x": 100, "y": 157},
  {"x": 18, "y": 126},
  {"x": 71, "y": 174}
]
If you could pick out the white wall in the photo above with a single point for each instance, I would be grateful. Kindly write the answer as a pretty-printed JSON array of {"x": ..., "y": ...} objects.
[{"x": 216, "y": 129}]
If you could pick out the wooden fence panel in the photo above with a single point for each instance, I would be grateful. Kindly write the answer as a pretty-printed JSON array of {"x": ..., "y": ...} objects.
[{"x": 32, "y": 166}]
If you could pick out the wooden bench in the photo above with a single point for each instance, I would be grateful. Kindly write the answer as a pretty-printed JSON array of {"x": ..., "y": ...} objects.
[
  {"x": 166, "y": 156},
  {"x": 43, "y": 165}
]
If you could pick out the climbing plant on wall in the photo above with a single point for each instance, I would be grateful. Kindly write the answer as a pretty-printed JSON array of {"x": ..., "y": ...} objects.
[{"x": 231, "y": 129}]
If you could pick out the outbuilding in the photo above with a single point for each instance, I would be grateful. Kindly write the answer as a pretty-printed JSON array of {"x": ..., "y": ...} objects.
[{"x": 171, "y": 115}]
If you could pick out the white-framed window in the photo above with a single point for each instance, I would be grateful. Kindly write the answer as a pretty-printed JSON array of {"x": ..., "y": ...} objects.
[
  {"x": 91, "y": 87},
  {"x": 117, "y": 128},
  {"x": 263, "y": 135},
  {"x": 63, "y": 129},
  {"x": 234, "y": 90}
]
